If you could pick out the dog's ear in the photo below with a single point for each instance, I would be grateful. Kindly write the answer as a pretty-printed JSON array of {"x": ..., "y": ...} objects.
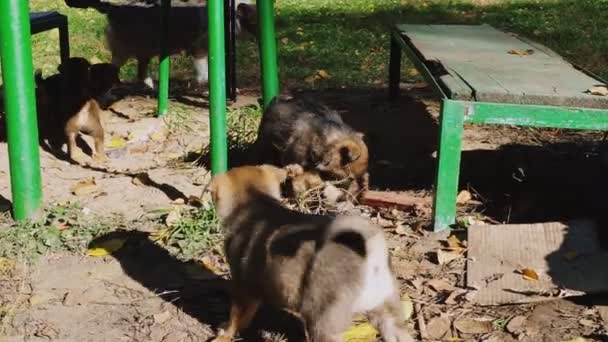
[{"x": 349, "y": 151}]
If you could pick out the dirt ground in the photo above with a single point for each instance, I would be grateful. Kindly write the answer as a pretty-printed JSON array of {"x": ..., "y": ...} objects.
[{"x": 142, "y": 293}]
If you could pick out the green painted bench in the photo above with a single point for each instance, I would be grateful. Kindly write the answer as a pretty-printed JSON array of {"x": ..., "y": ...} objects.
[{"x": 486, "y": 76}]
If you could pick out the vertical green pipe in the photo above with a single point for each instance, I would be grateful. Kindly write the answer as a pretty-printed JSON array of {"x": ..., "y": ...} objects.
[
  {"x": 451, "y": 128},
  {"x": 268, "y": 50},
  {"x": 20, "y": 108},
  {"x": 217, "y": 87},
  {"x": 164, "y": 64}
]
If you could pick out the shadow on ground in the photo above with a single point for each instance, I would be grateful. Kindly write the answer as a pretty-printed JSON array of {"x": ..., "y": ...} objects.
[{"x": 192, "y": 287}]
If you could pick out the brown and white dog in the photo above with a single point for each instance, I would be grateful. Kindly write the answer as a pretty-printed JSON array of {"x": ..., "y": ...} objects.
[
  {"x": 68, "y": 104},
  {"x": 133, "y": 32},
  {"x": 326, "y": 269}
]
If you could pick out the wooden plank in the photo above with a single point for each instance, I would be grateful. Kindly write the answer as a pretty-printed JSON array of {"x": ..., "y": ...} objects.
[
  {"x": 535, "y": 116},
  {"x": 478, "y": 55},
  {"x": 387, "y": 199},
  {"x": 567, "y": 258}
]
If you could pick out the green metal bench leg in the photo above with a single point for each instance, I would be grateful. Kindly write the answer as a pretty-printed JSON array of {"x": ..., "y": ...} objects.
[
  {"x": 20, "y": 105},
  {"x": 448, "y": 167},
  {"x": 394, "y": 70},
  {"x": 64, "y": 40},
  {"x": 268, "y": 50},
  {"x": 217, "y": 87},
  {"x": 164, "y": 60}
]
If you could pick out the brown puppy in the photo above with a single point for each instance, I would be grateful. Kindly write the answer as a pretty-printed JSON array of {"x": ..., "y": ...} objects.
[
  {"x": 299, "y": 131},
  {"x": 134, "y": 31},
  {"x": 68, "y": 103},
  {"x": 325, "y": 269}
]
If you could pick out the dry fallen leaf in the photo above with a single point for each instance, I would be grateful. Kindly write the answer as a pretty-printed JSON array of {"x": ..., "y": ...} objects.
[
  {"x": 106, "y": 247},
  {"x": 420, "y": 85},
  {"x": 516, "y": 324},
  {"x": 529, "y": 274},
  {"x": 401, "y": 230},
  {"x": 116, "y": 141},
  {"x": 472, "y": 326},
  {"x": 456, "y": 297},
  {"x": 363, "y": 332},
  {"x": 173, "y": 217},
  {"x": 587, "y": 323},
  {"x": 85, "y": 187},
  {"x": 521, "y": 52},
  {"x": 412, "y": 72},
  {"x": 6, "y": 264},
  {"x": 323, "y": 74},
  {"x": 578, "y": 339},
  {"x": 437, "y": 327},
  {"x": 162, "y": 317},
  {"x": 158, "y": 136},
  {"x": 444, "y": 257},
  {"x": 598, "y": 90},
  {"x": 407, "y": 307},
  {"x": 455, "y": 244},
  {"x": 439, "y": 285},
  {"x": 463, "y": 197},
  {"x": 211, "y": 265}
]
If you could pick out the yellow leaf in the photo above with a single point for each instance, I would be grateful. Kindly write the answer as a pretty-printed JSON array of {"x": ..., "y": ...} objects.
[
  {"x": 598, "y": 90},
  {"x": 413, "y": 72},
  {"x": 420, "y": 85},
  {"x": 85, "y": 187},
  {"x": 160, "y": 234},
  {"x": 521, "y": 52},
  {"x": 106, "y": 247},
  {"x": 529, "y": 274},
  {"x": 115, "y": 141},
  {"x": 363, "y": 332},
  {"x": 211, "y": 265},
  {"x": 455, "y": 244},
  {"x": 407, "y": 307},
  {"x": 463, "y": 197},
  {"x": 6, "y": 264},
  {"x": 323, "y": 74}
]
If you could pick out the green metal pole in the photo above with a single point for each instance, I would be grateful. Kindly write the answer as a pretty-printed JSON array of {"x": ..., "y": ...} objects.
[
  {"x": 164, "y": 64},
  {"x": 217, "y": 87},
  {"x": 268, "y": 51},
  {"x": 20, "y": 108}
]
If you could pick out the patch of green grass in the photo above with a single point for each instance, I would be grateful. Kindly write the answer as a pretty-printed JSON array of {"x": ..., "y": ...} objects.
[
  {"x": 193, "y": 234},
  {"x": 349, "y": 38},
  {"x": 63, "y": 228}
]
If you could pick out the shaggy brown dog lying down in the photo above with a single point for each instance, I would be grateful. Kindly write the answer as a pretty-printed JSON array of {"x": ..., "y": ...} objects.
[
  {"x": 325, "y": 269},
  {"x": 304, "y": 131}
]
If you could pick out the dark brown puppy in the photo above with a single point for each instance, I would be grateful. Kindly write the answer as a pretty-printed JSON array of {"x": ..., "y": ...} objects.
[
  {"x": 134, "y": 31},
  {"x": 324, "y": 269},
  {"x": 68, "y": 103},
  {"x": 299, "y": 131}
]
